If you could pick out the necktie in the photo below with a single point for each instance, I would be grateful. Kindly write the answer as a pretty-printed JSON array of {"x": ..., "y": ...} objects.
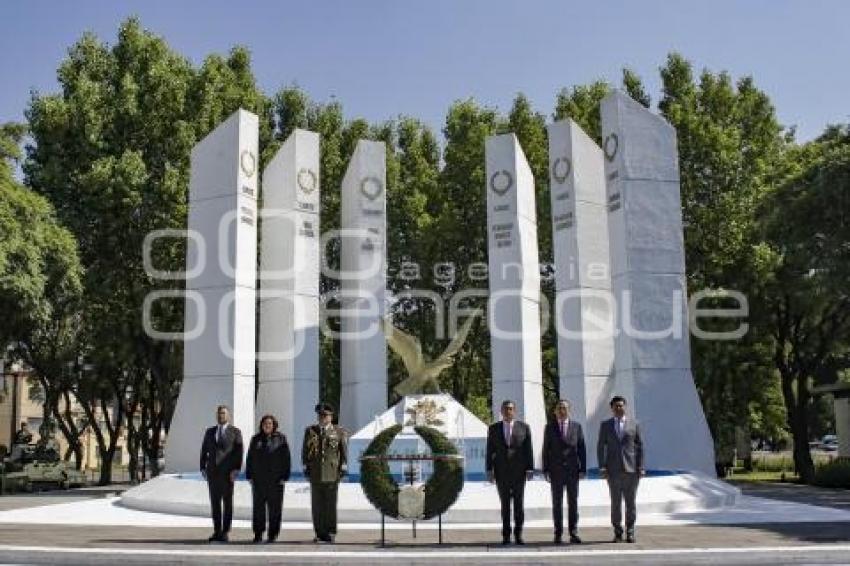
[
  {"x": 508, "y": 433},
  {"x": 620, "y": 429},
  {"x": 563, "y": 429},
  {"x": 220, "y": 434}
]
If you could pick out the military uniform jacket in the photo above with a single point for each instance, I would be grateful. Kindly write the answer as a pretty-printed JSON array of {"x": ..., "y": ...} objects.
[{"x": 324, "y": 453}]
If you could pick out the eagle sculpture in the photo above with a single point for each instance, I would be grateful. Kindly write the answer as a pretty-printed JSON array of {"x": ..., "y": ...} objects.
[{"x": 422, "y": 375}]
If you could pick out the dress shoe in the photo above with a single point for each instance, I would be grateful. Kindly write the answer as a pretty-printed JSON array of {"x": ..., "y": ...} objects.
[
  {"x": 630, "y": 538},
  {"x": 519, "y": 540},
  {"x": 618, "y": 538},
  {"x": 271, "y": 540},
  {"x": 506, "y": 541},
  {"x": 213, "y": 538},
  {"x": 575, "y": 539},
  {"x": 223, "y": 538},
  {"x": 559, "y": 539},
  {"x": 258, "y": 539}
]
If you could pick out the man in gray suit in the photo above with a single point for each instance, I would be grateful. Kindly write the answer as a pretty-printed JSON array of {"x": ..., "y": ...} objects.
[{"x": 620, "y": 455}]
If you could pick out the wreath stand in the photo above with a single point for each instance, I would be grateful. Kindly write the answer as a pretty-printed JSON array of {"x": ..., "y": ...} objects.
[{"x": 410, "y": 474}]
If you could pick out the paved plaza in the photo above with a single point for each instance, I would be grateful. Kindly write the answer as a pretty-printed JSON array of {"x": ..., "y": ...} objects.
[{"x": 823, "y": 536}]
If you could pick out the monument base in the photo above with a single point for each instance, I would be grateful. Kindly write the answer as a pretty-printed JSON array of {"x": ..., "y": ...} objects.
[{"x": 660, "y": 492}]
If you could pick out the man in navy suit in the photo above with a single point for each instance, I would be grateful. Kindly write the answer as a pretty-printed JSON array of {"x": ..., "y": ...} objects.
[
  {"x": 564, "y": 464},
  {"x": 221, "y": 460}
]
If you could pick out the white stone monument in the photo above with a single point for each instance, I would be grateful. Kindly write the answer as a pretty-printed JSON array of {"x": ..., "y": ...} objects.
[
  {"x": 513, "y": 311},
  {"x": 583, "y": 307},
  {"x": 652, "y": 352},
  {"x": 288, "y": 356},
  {"x": 218, "y": 366},
  {"x": 363, "y": 281}
]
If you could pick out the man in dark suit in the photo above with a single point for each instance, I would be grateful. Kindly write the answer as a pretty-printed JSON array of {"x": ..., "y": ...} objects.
[
  {"x": 221, "y": 460},
  {"x": 509, "y": 462},
  {"x": 620, "y": 455},
  {"x": 564, "y": 463}
]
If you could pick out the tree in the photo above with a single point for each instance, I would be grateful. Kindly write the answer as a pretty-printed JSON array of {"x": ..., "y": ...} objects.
[
  {"x": 459, "y": 213},
  {"x": 111, "y": 152},
  {"x": 40, "y": 287},
  {"x": 581, "y": 103},
  {"x": 730, "y": 145},
  {"x": 807, "y": 303}
]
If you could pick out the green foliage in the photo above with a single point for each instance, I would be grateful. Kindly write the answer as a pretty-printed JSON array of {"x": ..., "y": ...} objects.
[
  {"x": 378, "y": 484},
  {"x": 445, "y": 484},
  {"x": 807, "y": 306},
  {"x": 634, "y": 87},
  {"x": 730, "y": 145},
  {"x": 111, "y": 153},
  {"x": 581, "y": 103},
  {"x": 39, "y": 267},
  {"x": 441, "y": 489},
  {"x": 110, "y": 156},
  {"x": 834, "y": 474}
]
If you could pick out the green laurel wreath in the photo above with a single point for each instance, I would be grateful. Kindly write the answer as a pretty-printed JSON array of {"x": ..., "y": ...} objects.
[{"x": 441, "y": 489}]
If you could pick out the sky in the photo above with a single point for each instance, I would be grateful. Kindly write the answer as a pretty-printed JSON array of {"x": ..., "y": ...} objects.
[{"x": 384, "y": 58}]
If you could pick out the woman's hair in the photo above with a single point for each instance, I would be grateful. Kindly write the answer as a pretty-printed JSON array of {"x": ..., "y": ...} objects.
[{"x": 274, "y": 422}]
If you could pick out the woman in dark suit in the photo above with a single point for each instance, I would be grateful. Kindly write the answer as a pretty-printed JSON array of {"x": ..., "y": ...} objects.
[{"x": 267, "y": 469}]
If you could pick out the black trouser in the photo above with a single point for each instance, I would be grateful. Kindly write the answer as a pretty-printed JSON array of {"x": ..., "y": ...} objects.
[
  {"x": 559, "y": 482},
  {"x": 511, "y": 492},
  {"x": 221, "y": 493},
  {"x": 267, "y": 495},
  {"x": 323, "y": 502}
]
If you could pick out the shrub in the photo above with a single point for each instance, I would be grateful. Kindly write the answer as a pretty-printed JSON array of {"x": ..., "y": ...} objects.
[{"x": 833, "y": 474}]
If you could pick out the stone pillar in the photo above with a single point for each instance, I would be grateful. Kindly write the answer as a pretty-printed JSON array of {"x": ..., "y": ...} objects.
[
  {"x": 363, "y": 281},
  {"x": 584, "y": 307},
  {"x": 513, "y": 310},
  {"x": 289, "y": 301},
  {"x": 652, "y": 352},
  {"x": 221, "y": 258}
]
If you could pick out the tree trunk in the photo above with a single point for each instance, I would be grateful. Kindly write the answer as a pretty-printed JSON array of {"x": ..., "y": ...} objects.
[
  {"x": 796, "y": 407},
  {"x": 802, "y": 453},
  {"x": 106, "y": 457}
]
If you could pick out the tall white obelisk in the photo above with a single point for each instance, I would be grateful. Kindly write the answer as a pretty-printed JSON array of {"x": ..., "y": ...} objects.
[
  {"x": 363, "y": 282},
  {"x": 652, "y": 351},
  {"x": 583, "y": 307},
  {"x": 289, "y": 282},
  {"x": 514, "y": 305},
  {"x": 218, "y": 364}
]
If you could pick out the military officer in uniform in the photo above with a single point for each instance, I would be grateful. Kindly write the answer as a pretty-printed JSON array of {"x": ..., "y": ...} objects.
[{"x": 324, "y": 454}]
